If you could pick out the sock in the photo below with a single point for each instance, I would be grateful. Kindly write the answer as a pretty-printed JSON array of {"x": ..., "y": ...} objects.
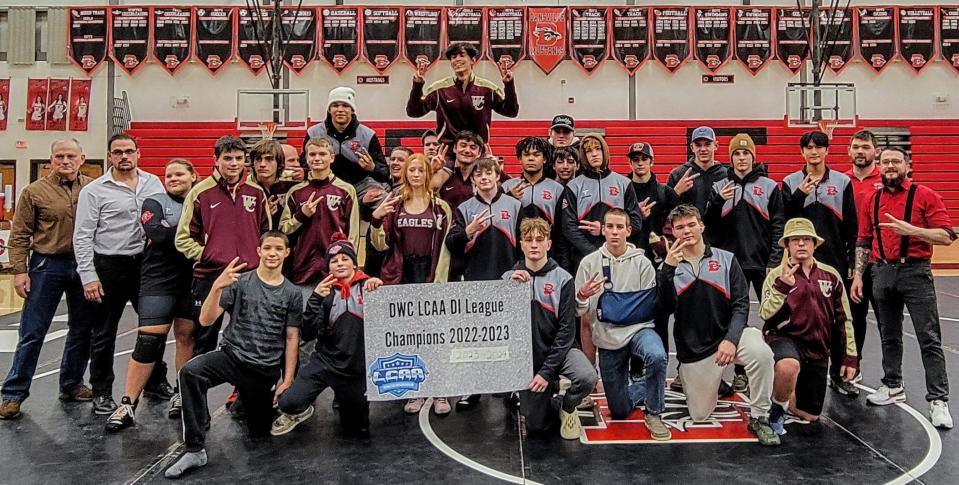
[
  {"x": 782, "y": 404},
  {"x": 189, "y": 461}
]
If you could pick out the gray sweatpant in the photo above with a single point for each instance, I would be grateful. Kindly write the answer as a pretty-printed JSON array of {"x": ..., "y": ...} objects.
[{"x": 540, "y": 408}]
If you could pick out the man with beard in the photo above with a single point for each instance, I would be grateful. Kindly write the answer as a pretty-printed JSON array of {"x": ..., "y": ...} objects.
[{"x": 897, "y": 229}]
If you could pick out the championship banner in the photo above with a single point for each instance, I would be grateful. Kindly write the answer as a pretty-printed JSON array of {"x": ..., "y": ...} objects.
[
  {"x": 79, "y": 104},
  {"x": 422, "y": 35},
  {"x": 449, "y": 339},
  {"x": 835, "y": 27},
  {"x": 340, "y": 36},
  {"x": 753, "y": 37},
  {"x": 671, "y": 36},
  {"x": 58, "y": 93},
  {"x": 949, "y": 35},
  {"x": 253, "y": 33},
  {"x": 713, "y": 36},
  {"x": 4, "y": 103},
  {"x": 213, "y": 38},
  {"x": 465, "y": 24},
  {"x": 172, "y": 33},
  {"x": 299, "y": 30},
  {"x": 631, "y": 37},
  {"x": 505, "y": 34},
  {"x": 876, "y": 31},
  {"x": 87, "y": 37},
  {"x": 129, "y": 37},
  {"x": 917, "y": 36},
  {"x": 589, "y": 39},
  {"x": 36, "y": 104},
  {"x": 547, "y": 37},
  {"x": 381, "y": 37},
  {"x": 792, "y": 37}
]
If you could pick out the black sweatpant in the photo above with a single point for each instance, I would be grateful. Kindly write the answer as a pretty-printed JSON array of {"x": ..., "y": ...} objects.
[
  {"x": 313, "y": 378},
  {"x": 205, "y": 338},
  {"x": 211, "y": 369}
]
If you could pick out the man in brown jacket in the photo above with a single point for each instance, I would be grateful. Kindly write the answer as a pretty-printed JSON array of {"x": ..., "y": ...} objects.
[{"x": 41, "y": 253}]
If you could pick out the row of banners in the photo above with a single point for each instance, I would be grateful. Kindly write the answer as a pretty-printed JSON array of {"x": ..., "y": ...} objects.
[
  {"x": 340, "y": 36},
  {"x": 56, "y": 104}
]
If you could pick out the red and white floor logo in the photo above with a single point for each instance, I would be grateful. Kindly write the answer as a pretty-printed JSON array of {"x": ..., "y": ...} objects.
[{"x": 727, "y": 423}]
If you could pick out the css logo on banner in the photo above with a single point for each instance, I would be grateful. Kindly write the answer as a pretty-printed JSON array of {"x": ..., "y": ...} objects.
[{"x": 398, "y": 374}]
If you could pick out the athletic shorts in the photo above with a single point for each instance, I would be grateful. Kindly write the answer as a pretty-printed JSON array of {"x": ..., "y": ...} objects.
[
  {"x": 811, "y": 382},
  {"x": 162, "y": 309}
]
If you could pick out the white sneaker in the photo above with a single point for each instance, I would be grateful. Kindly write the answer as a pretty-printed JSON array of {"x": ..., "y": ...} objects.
[
  {"x": 569, "y": 428},
  {"x": 885, "y": 396},
  {"x": 939, "y": 414}
]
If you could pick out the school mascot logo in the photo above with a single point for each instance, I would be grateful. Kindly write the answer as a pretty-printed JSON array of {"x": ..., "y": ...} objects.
[
  {"x": 478, "y": 102},
  {"x": 333, "y": 202},
  {"x": 398, "y": 374},
  {"x": 249, "y": 203},
  {"x": 825, "y": 286}
]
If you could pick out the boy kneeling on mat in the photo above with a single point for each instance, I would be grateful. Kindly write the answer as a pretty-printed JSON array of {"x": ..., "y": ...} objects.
[
  {"x": 262, "y": 339},
  {"x": 805, "y": 308},
  {"x": 334, "y": 316},
  {"x": 554, "y": 317}
]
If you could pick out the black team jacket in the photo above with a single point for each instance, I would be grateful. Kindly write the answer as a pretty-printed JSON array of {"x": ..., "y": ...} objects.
[
  {"x": 832, "y": 210},
  {"x": 494, "y": 248},
  {"x": 337, "y": 323}
]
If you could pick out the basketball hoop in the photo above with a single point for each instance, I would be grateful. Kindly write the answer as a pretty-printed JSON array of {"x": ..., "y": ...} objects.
[
  {"x": 267, "y": 129},
  {"x": 827, "y": 127}
]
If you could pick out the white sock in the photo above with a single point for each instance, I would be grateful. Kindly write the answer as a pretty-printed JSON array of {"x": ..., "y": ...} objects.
[{"x": 187, "y": 462}]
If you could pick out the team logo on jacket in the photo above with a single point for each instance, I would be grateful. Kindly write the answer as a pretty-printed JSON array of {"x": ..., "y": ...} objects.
[
  {"x": 831, "y": 190},
  {"x": 548, "y": 289},
  {"x": 333, "y": 202},
  {"x": 504, "y": 215},
  {"x": 825, "y": 286},
  {"x": 613, "y": 190},
  {"x": 398, "y": 374},
  {"x": 547, "y": 195},
  {"x": 713, "y": 266},
  {"x": 249, "y": 203},
  {"x": 355, "y": 146},
  {"x": 146, "y": 216},
  {"x": 478, "y": 102},
  {"x": 757, "y": 191}
]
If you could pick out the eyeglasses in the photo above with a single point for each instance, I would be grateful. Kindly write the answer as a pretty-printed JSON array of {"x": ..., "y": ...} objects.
[{"x": 128, "y": 152}]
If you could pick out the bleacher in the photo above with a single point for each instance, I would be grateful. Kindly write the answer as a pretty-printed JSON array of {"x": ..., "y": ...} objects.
[{"x": 934, "y": 143}]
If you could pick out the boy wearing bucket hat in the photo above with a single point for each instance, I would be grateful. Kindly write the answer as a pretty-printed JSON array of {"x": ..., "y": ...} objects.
[{"x": 805, "y": 307}]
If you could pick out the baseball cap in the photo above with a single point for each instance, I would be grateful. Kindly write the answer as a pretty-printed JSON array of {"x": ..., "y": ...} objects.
[
  {"x": 640, "y": 148},
  {"x": 704, "y": 132},
  {"x": 563, "y": 121}
]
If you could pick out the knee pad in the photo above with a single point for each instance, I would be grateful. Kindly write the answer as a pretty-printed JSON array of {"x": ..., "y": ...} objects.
[{"x": 148, "y": 348}]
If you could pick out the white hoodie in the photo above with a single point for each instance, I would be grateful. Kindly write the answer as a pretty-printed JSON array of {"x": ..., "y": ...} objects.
[{"x": 630, "y": 272}]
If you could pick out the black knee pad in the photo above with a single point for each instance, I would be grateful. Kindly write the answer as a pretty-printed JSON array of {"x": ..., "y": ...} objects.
[{"x": 149, "y": 348}]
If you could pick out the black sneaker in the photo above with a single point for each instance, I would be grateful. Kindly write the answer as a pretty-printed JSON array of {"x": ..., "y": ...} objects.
[
  {"x": 123, "y": 417},
  {"x": 176, "y": 406},
  {"x": 842, "y": 387},
  {"x": 725, "y": 390},
  {"x": 740, "y": 383},
  {"x": 104, "y": 405},
  {"x": 161, "y": 392},
  {"x": 676, "y": 384},
  {"x": 467, "y": 402}
]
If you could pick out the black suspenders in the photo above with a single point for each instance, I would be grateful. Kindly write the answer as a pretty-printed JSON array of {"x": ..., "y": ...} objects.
[{"x": 907, "y": 216}]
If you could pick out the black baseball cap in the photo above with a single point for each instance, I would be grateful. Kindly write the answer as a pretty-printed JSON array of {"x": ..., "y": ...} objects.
[
  {"x": 563, "y": 121},
  {"x": 640, "y": 148}
]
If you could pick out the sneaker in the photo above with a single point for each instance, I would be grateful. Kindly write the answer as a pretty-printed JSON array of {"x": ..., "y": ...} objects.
[
  {"x": 586, "y": 403},
  {"x": 122, "y": 418},
  {"x": 858, "y": 378},
  {"x": 467, "y": 402},
  {"x": 939, "y": 414},
  {"x": 657, "y": 429},
  {"x": 886, "y": 395},
  {"x": 569, "y": 427},
  {"x": 176, "y": 406},
  {"x": 740, "y": 383},
  {"x": 842, "y": 387},
  {"x": 80, "y": 393},
  {"x": 725, "y": 390},
  {"x": 161, "y": 392},
  {"x": 104, "y": 405},
  {"x": 676, "y": 385},
  {"x": 512, "y": 401},
  {"x": 10, "y": 409},
  {"x": 441, "y": 406},
  {"x": 760, "y": 427},
  {"x": 777, "y": 419},
  {"x": 413, "y": 406},
  {"x": 286, "y": 422}
]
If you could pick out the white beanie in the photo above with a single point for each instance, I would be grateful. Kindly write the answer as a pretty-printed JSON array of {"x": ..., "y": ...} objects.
[{"x": 342, "y": 94}]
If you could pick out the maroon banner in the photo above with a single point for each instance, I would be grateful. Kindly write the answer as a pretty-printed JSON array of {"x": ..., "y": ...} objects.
[
  {"x": 381, "y": 37},
  {"x": 713, "y": 35},
  {"x": 836, "y": 29},
  {"x": 876, "y": 31},
  {"x": 754, "y": 37},
  {"x": 671, "y": 36},
  {"x": 917, "y": 36},
  {"x": 340, "y": 36},
  {"x": 79, "y": 104},
  {"x": 792, "y": 37},
  {"x": 37, "y": 104},
  {"x": 631, "y": 37},
  {"x": 299, "y": 30},
  {"x": 949, "y": 35},
  {"x": 589, "y": 37},
  {"x": 465, "y": 24},
  {"x": 4, "y": 103},
  {"x": 423, "y": 35},
  {"x": 213, "y": 42},
  {"x": 58, "y": 107},
  {"x": 172, "y": 33},
  {"x": 253, "y": 33},
  {"x": 547, "y": 36},
  {"x": 87, "y": 42},
  {"x": 505, "y": 34},
  {"x": 129, "y": 37}
]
